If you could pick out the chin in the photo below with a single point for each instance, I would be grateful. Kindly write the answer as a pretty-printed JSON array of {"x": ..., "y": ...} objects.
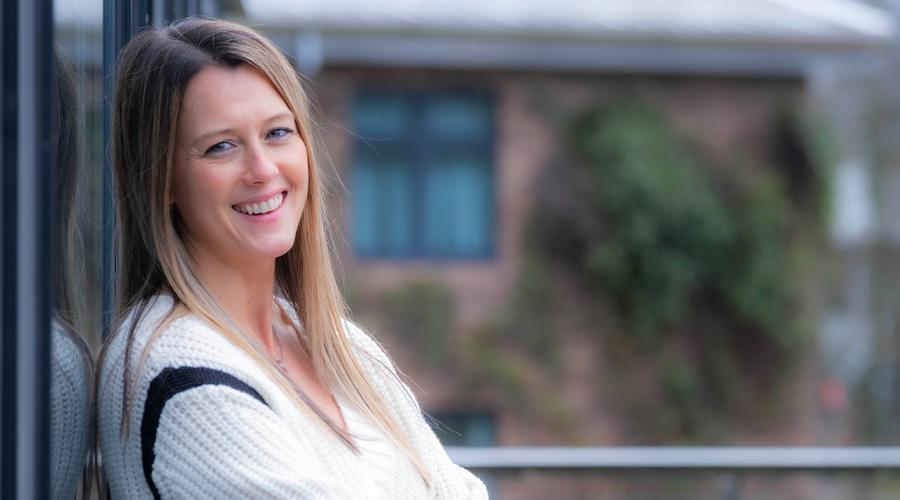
[
  {"x": 267, "y": 245},
  {"x": 283, "y": 253},
  {"x": 276, "y": 250}
]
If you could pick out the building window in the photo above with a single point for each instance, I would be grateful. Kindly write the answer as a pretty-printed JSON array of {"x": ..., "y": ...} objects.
[
  {"x": 467, "y": 428},
  {"x": 423, "y": 178},
  {"x": 464, "y": 428}
]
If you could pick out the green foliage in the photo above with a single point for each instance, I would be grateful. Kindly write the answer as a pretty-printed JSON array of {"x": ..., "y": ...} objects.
[
  {"x": 682, "y": 254},
  {"x": 486, "y": 361},
  {"x": 754, "y": 281},
  {"x": 491, "y": 357},
  {"x": 804, "y": 151},
  {"x": 423, "y": 312},
  {"x": 526, "y": 320},
  {"x": 649, "y": 231},
  {"x": 654, "y": 226},
  {"x": 682, "y": 390}
]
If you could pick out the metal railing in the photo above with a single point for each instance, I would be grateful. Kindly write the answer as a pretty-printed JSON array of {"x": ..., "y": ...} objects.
[
  {"x": 734, "y": 463},
  {"x": 678, "y": 458}
]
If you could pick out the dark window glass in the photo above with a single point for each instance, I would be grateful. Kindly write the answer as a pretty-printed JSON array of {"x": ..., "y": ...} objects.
[
  {"x": 464, "y": 428},
  {"x": 423, "y": 178}
]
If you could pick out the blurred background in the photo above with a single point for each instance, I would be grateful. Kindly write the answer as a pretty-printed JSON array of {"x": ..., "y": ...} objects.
[{"x": 579, "y": 223}]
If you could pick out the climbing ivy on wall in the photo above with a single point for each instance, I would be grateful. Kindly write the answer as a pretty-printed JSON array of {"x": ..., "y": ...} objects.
[{"x": 695, "y": 263}]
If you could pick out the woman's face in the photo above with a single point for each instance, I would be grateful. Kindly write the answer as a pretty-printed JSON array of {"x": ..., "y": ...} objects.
[{"x": 241, "y": 168}]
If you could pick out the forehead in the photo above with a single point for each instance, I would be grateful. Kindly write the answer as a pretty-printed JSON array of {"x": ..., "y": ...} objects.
[{"x": 235, "y": 95}]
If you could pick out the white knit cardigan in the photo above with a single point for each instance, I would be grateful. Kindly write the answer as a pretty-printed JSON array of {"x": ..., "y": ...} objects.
[{"x": 207, "y": 422}]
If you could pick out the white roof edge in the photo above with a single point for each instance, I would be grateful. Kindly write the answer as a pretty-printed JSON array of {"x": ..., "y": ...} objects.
[
  {"x": 770, "y": 22},
  {"x": 312, "y": 52},
  {"x": 865, "y": 19}
]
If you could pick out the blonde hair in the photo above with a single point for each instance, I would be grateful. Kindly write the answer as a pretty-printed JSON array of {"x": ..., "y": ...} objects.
[{"x": 154, "y": 71}]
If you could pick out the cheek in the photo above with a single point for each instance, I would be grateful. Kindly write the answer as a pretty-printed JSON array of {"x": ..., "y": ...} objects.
[
  {"x": 299, "y": 173},
  {"x": 190, "y": 211},
  {"x": 184, "y": 179},
  {"x": 305, "y": 180},
  {"x": 198, "y": 191},
  {"x": 305, "y": 188}
]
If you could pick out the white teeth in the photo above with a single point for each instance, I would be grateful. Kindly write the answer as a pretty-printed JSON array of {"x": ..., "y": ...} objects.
[{"x": 261, "y": 207}]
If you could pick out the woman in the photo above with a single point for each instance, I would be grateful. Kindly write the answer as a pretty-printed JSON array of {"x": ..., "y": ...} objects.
[{"x": 233, "y": 373}]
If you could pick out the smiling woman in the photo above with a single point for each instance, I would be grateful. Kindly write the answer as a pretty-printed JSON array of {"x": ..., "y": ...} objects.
[{"x": 233, "y": 372}]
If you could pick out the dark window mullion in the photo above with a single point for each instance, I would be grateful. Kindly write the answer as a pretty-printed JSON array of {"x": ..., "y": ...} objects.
[
  {"x": 33, "y": 240},
  {"x": 419, "y": 146},
  {"x": 9, "y": 32},
  {"x": 494, "y": 198}
]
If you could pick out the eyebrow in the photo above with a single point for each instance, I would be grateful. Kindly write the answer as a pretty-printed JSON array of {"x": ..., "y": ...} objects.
[{"x": 203, "y": 136}]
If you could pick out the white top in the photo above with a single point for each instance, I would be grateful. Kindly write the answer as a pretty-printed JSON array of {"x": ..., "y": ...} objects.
[
  {"x": 207, "y": 422},
  {"x": 376, "y": 452}
]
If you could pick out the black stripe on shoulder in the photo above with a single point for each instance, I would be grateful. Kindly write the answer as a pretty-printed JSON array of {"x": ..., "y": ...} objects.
[{"x": 169, "y": 383}]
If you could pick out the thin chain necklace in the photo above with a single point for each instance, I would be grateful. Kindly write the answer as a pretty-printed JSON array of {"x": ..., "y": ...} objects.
[{"x": 280, "y": 361}]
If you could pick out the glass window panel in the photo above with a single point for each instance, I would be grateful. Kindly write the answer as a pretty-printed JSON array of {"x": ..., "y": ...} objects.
[
  {"x": 457, "y": 118},
  {"x": 382, "y": 206},
  {"x": 479, "y": 431},
  {"x": 395, "y": 208},
  {"x": 76, "y": 320},
  {"x": 464, "y": 428},
  {"x": 383, "y": 117},
  {"x": 438, "y": 215},
  {"x": 451, "y": 188},
  {"x": 364, "y": 206},
  {"x": 457, "y": 206}
]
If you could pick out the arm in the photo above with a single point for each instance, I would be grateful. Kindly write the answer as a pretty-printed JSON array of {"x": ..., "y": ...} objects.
[{"x": 203, "y": 435}]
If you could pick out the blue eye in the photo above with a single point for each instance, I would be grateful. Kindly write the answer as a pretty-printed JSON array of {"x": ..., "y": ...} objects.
[
  {"x": 279, "y": 133},
  {"x": 219, "y": 148}
]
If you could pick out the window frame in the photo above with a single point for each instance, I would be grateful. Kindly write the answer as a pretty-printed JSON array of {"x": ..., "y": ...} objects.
[
  {"x": 27, "y": 262},
  {"x": 420, "y": 147}
]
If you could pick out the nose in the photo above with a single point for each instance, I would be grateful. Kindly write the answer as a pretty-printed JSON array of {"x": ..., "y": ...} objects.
[{"x": 260, "y": 166}]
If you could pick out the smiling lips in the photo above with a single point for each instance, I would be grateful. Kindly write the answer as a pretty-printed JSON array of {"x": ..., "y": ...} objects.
[{"x": 262, "y": 207}]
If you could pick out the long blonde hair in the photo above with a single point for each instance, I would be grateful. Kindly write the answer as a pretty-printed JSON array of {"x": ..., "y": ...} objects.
[{"x": 154, "y": 71}]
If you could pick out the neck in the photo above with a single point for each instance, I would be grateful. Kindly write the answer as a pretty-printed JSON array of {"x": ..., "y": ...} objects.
[{"x": 244, "y": 290}]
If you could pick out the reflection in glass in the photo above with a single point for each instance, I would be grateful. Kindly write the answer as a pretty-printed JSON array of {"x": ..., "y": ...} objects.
[
  {"x": 76, "y": 316},
  {"x": 70, "y": 375}
]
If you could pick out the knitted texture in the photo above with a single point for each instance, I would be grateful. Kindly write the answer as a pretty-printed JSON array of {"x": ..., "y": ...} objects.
[
  {"x": 375, "y": 451},
  {"x": 217, "y": 441},
  {"x": 70, "y": 411}
]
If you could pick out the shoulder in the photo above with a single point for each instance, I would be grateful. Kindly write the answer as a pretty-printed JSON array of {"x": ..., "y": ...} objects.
[
  {"x": 163, "y": 352},
  {"x": 178, "y": 377},
  {"x": 167, "y": 337}
]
